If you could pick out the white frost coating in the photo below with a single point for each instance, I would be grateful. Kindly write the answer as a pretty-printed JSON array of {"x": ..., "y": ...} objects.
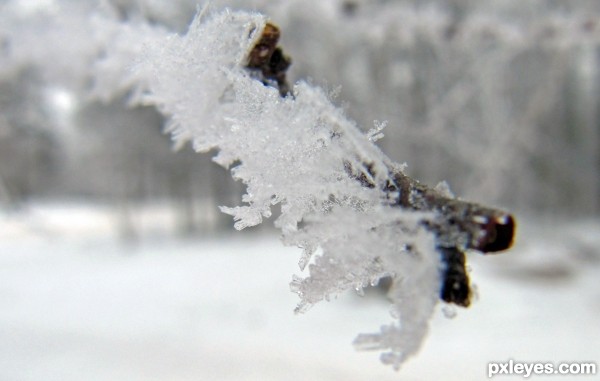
[
  {"x": 295, "y": 151},
  {"x": 414, "y": 295}
]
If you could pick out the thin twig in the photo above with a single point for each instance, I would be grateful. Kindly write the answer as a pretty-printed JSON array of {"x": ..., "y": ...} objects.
[{"x": 458, "y": 225}]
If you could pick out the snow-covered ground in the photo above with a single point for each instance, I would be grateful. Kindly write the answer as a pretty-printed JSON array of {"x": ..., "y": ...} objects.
[{"x": 78, "y": 304}]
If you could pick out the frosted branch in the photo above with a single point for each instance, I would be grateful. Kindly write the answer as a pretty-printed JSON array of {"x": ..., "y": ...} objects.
[
  {"x": 338, "y": 192},
  {"x": 353, "y": 211}
]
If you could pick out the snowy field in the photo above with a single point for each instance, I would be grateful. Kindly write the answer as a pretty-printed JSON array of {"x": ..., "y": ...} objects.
[{"x": 76, "y": 303}]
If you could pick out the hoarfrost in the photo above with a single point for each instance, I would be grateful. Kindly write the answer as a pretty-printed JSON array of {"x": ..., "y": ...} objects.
[
  {"x": 299, "y": 151},
  {"x": 296, "y": 151}
]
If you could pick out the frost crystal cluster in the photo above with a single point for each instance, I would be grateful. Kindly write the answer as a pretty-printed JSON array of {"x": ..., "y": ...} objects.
[
  {"x": 296, "y": 151},
  {"x": 299, "y": 152}
]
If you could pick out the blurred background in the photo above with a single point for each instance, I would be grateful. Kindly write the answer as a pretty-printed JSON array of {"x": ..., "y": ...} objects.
[{"x": 116, "y": 263}]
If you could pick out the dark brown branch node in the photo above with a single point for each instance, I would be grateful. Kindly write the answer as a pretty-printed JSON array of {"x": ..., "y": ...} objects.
[
  {"x": 459, "y": 226},
  {"x": 455, "y": 286},
  {"x": 268, "y": 61}
]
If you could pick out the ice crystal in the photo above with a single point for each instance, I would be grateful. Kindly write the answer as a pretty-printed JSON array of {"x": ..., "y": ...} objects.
[
  {"x": 296, "y": 151},
  {"x": 301, "y": 151}
]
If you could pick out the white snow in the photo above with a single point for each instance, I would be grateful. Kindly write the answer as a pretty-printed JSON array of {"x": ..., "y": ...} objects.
[{"x": 87, "y": 307}]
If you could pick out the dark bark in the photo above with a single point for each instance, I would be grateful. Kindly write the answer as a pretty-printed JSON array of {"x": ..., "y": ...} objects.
[
  {"x": 458, "y": 226},
  {"x": 268, "y": 61}
]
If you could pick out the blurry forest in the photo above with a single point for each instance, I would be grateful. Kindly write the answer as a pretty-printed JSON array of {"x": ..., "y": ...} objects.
[{"x": 499, "y": 98}]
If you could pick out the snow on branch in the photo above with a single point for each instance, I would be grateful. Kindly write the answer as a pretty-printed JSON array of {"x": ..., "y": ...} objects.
[
  {"x": 355, "y": 214},
  {"x": 338, "y": 192}
]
